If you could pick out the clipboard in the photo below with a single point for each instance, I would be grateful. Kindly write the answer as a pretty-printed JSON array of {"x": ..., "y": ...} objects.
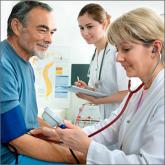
[{"x": 76, "y": 89}]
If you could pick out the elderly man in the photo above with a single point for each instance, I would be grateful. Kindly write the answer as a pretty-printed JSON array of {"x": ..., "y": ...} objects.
[{"x": 30, "y": 29}]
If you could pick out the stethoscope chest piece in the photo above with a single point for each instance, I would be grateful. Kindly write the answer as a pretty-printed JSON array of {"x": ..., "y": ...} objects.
[{"x": 98, "y": 84}]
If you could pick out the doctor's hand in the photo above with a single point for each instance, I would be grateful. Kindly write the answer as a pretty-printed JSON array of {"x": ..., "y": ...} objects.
[
  {"x": 46, "y": 133},
  {"x": 90, "y": 99},
  {"x": 74, "y": 138},
  {"x": 81, "y": 84}
]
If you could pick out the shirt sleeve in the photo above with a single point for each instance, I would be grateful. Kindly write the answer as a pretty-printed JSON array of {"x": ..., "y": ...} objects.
[
  {"x": 12, "y": 124},
  {"x": 9, "y": 97},
  {"x": 12, "y": 120},
  {"x": 151, "y": 150},
  {"x": 112, "y": 131},
  {"x": 100, "y": 154}
]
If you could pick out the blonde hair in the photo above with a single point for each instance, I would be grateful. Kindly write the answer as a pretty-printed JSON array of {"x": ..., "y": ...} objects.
[
  {"x": 96, "y": 11},
  {"x": 141, "y": 24}
]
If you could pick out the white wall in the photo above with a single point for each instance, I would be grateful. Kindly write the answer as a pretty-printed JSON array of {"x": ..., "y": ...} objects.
[
  {"x": 68, "y": 36},
  {"x": 66, "y": 18}
]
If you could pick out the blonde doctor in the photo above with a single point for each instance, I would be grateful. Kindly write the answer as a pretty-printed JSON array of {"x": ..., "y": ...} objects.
[
  {"x": 139, "y": 131},
  {"x": 105, "y": 74}
]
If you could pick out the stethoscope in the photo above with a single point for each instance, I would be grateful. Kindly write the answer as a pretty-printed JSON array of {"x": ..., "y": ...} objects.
[
  {"x": 122, "y": 111},
  {"x": 126, "y": 103},
  {"x": 98, "y": 82}
]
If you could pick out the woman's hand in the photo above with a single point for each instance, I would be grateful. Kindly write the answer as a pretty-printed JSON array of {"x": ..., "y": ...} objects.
[
  {"x": 46, "y": 133},
  {"x": 81, "y": 84},
  {"x": 90, "y": 99},
  {"x": 74, "y": 138}
]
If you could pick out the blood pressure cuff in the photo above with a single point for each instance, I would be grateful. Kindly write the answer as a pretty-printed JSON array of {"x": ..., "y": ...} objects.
[{"x": 12, "y": 124}]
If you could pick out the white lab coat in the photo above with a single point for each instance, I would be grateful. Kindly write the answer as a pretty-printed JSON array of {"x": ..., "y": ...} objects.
[
  {"x": 142, "y": 139},
  {"x": 113, "y": 77}
]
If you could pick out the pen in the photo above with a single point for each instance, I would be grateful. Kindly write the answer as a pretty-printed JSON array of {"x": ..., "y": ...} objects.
[{"x": 78, "y": 78}]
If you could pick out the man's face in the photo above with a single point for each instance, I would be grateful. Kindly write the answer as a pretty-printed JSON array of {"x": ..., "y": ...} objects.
[{"x": 36, "y": 35}]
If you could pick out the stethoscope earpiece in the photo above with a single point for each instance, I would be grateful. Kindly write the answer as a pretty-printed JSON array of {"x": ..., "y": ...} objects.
[
  {"x": 154, "y": 50},
  {"x": 97, "y": 84}
]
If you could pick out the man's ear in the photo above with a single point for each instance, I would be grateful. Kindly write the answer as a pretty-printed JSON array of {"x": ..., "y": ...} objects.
[{"x": 16, "y": 26}]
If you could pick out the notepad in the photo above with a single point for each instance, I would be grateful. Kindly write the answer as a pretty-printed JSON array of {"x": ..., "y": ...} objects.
[{"x": 76, "y": 89}]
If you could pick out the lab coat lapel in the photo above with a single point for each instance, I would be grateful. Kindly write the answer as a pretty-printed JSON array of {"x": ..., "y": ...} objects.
[{"x": 146, "y": 108}]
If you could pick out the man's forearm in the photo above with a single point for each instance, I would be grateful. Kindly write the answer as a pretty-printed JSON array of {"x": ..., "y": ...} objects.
[{"x": 41, "y": 149}]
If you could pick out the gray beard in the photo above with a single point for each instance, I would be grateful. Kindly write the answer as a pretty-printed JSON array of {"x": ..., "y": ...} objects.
[{"x": 40, "y": 55}]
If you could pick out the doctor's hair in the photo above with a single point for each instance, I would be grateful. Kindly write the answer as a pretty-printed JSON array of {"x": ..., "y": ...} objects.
[
  {"x": 141, "y": 24},
  {"x": 20, "y": 11},
  {"x": 96, "y": 11}
]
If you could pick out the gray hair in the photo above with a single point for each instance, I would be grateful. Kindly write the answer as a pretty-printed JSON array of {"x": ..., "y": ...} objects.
[{"x": 20, "y": 11}]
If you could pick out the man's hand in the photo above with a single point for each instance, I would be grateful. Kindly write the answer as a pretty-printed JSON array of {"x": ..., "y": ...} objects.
[{"x": 46, "y": 133}]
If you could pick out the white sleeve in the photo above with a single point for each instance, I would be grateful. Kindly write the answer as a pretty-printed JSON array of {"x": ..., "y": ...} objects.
[
  {"x": 151, "y": 148},
  {"x": 103, "y": 137},
  {"x": 112, "y": 131},
  {"x": 122, "y": 79},
  {"x": 100, "y": 154}
]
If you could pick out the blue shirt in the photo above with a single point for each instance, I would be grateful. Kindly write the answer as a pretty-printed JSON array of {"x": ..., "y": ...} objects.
[{"x": 18, "y": 105}]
